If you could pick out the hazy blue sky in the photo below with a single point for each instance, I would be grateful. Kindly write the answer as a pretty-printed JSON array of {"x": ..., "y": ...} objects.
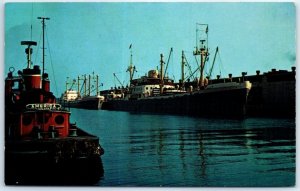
[{"x": 87, "y": 37}]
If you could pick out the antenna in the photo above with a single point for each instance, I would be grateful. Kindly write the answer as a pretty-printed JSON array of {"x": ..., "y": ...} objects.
[
  {"x": 43, "y": 24},
  {"x": 31, "y": 21}
]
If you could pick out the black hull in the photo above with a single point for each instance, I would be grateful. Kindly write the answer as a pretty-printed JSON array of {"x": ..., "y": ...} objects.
[
  {"x": 57, "y": 161},
  {"x": 93, "y": 104},
  {"x": 225, "y": 103},
  {"x": 272, "y": 99},
  {"x": 272, "y": 94}
]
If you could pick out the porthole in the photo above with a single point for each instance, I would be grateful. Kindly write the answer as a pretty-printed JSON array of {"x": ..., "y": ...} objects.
[
  {"x": 26, "y": 120},
  {"x": 59, "y": 119}
]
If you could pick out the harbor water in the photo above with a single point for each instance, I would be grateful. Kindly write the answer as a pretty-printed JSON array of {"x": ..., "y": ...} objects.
[{"x": 163, "y": 150}]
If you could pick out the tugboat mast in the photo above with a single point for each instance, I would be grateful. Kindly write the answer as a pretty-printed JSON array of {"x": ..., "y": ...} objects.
[{"x": 43, "y": 23}]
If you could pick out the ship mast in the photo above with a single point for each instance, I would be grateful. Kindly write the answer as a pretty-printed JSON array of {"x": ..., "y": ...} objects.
[
  {"x": 202, "y": 50},
  {"x": 43, "y": 24},
  {"x": 161, "y": 73},
  {"x": 97, "y": 88},
  {"x": 84, "y": 84},
  {"x": 182, "y": 67},
  {"x": 78, "y": 86},
  {"x": 89, "y": 90},
  {"x": 131, "y": 68}
]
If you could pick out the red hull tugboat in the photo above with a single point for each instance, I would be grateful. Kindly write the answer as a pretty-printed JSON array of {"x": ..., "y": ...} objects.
[{"x": 42, "y": 147}]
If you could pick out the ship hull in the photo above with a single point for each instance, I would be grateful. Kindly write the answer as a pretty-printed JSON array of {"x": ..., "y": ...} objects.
[
  {"x": 90, "y": 103},
  {"x": 205, "y": 103},
  {"x": 273, "y": 96},
  {"x": 57, "y": 161}
]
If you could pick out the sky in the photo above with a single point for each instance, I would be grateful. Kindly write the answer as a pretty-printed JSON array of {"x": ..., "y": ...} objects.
[{"x": 83, "y": 38}]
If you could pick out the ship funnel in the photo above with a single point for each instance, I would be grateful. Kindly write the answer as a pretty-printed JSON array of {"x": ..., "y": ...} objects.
[
  {"x": 31, "y": 77},
  {"x": 28, "y": 50},
  {"x": 230, "y": 77}
]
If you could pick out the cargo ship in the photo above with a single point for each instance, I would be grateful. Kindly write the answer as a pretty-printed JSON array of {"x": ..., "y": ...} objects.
[
  {"x": 76, "y": 99},
  {"x": 156, "y": 93},
  {"x": 273, "y": 94},
  {"x": 42, "y": 146}
]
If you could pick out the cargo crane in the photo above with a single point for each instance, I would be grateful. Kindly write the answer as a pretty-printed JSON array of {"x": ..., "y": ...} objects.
[
  {"x": 73, "y": 82},
  {"x": 67, "y": 83},
  {"x": 212, "y": 66},
  {"x": 171, "y": 50},
  {"x": 186, "y": 63},
  {"x": 118, "y": 80},
  {"x": 211, "y": 69}
]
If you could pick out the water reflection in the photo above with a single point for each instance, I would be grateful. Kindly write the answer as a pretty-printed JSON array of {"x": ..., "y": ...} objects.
[
  {"x": 158, "y": 150},
  {"x": 205, "y": 153}
]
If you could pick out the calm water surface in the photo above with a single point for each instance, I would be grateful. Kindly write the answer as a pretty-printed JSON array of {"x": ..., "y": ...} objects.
[{"x": 162, "y": 150}]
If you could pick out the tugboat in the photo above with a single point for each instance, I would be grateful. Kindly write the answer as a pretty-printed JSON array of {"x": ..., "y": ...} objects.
[
  {"x": 157, "y": 93},
  {"x": 42, "y": 146}
]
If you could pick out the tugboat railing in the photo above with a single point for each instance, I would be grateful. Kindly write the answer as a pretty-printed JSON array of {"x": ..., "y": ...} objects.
[{"x": 44, "y": 106}]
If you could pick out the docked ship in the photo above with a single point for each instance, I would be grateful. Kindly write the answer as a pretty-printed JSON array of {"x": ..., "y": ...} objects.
[
  {"x": 157, "y": 93},
  {"x": 42, "y": 146},
  {"x": 75, "y": 99},
  {"x": 273, "y": 94}
]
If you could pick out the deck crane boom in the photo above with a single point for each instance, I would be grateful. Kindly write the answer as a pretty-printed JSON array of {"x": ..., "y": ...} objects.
[
  {"x": 212, "y": 66},
  {"x": 171, "y": 50},
  {"x": 73, "y": 82},
  {"x": 118, "y": 80}
]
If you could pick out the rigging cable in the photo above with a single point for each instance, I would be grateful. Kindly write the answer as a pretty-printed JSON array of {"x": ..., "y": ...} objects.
[
  {"x": 51, "y": 62},
  {"x": 189, "y": 67},
  {"x": 37, "y": 51},
  {"x": 84, "y": 81}
]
